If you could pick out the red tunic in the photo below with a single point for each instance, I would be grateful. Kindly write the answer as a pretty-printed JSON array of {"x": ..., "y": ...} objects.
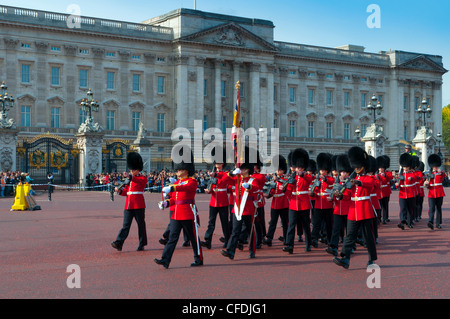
[
  {"x": 342, "y": 205},
  {"x": 249, "y": 208},
  {"x": 279, "y": 196},
  {"x": 385, "y": 183},
  {"x": 299, "y": 193},
  {"x": 182, "y": 198},
  {"x": 361, "y": 207},
  {"x": 261, "y": 180},
  {"x": 323, "y": 192},
  {"x": 219, "y": 195},
  {"x": 375, "y": 195},
  {"x": 436, "y": 189},
  {"x": 135, "y": 192},
  {"x": 407, "y": 186}
]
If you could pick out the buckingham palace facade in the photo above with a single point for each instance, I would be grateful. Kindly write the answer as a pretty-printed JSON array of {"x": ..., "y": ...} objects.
[{"x": 173, "y": 69}]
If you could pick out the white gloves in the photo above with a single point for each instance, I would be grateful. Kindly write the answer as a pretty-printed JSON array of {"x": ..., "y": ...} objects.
[
  {"x": 166, "y": 189},
  {"x": 163, "y": 205},
  {"x": 246, "y": 185},
  {"x": 172, "y": 180},
  {"x": 237, "y": 171}
]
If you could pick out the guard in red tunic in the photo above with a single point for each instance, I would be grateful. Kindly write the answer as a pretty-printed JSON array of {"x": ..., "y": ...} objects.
[
  {"x": 219, "y": 198},
  {"x": 375, "y": 195},
  {"x": 419, "y": 199},
  {"x": 435, "y": 190},
  {"x": 342, "y": 201},
  {"x": 245, "y": 210},
  {"x": 323, "y": 208},
  {"x": 260, "y": 221},
  {"x": 133, "y": 189},
  {"x": 361, "y": 212},
  {"x": 299, "y": 202},
  {"x": 184, "y": 215},
  {"x": 407, "y": 192},
  {"x": 280, "y": 201},
  {"x": 385, "y": 177}
]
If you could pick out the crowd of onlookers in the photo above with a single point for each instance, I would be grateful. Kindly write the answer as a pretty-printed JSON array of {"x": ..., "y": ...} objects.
[{"x": 103, "y": 181}]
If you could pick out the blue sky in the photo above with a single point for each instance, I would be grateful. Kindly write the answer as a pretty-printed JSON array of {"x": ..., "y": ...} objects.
[{"x": 408, "y": 25}]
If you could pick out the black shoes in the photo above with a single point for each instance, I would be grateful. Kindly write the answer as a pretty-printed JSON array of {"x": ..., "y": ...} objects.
[
  {"x": 187, "y": 243},
  {"x": 401, "y": 226},
  {"x": 315, "y": 244},
  {"x": 140, "y": 248},
  {"x": 163, "y": 262},
  {"x": 206, "y": 244},
  {"x": 308, "y": 248},
  {"x": 332, "y": 251},
  {"x": 197, "y": 263},
  {"x": 267, "y": 241},
  {"x": 430, "y": 225},
  {"x": 289, "y": 249},
  {"x": 228, "y": 254},
  {"x": 117, "y": 245},
  {"x": 163, "y": 241},
  {"x": 343, "y": 262}
]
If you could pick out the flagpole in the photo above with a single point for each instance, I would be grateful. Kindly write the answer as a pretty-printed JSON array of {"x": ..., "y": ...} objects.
[{"x": 237, "y": 125}]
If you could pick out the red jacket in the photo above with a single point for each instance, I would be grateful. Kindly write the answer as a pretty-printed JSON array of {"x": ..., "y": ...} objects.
[
  {"x": 135, "y": 192},
  {"x": 260, "y": 179},
  {"x": 182, "y": 198},
  {"x": 323, "y": 192},
  {"x": 361, "y": 207},
  {"x": 280, "y": 197},
  {"x": 385, "y": 180},
  {"x": 249, "y": 208},
  {"x": 407, "y": 186},
  {"x": 219, "y": 191},
  {"x": 436, "y": 189},
  {"x": 375, "y": 195},
  {"x": 342, "y": 205},
  {"x": 299, "y": 193}
]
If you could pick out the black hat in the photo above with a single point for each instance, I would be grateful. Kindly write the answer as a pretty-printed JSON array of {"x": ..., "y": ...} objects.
[
  {"x": 434, "y": 160},
  {"x": 416, "y": 161},
  {"x": 387, "y": 161},
  {"x": 312, "y": 166},
  {"x": 343, "y": 163},
  {"x": 333, "y": 162},
  {"x": 134, "y": 161},
  {"x": 298, "y": 158},
  {"x": 358, "y": 157},
  {"x": 324, "y": 162},
  {"x": 185, "y": 165},
  {"x": 421, "y": 166},
  {"x": 381, "y": 162},
  {"x": 372, "y": 167},
  {"x": 406, "y": 160},
  {"x": 282, "y": 165}
]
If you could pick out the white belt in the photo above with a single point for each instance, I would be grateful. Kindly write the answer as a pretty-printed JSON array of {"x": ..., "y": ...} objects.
[
  {"x": 300, "y": 193},
  {"x": 220, "y": 190},
  {"x": 355, "y": 199},
  {"x": 373, "y": 195},
  {"x": 437, "y": 184},
  {"x": 421, "y": 186},
  {"x": 323, "y": 194},
  {"x": 278, "y": 195},
  {"x": 384, "y": 185},
  {"x": 410, "y": 185},
  {"x": 135, "y": 193}
]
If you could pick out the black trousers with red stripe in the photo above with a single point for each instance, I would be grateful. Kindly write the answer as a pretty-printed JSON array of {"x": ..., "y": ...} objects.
[
  {"x": 175, "y": 228},
  {"x": 236, "y": 234}
]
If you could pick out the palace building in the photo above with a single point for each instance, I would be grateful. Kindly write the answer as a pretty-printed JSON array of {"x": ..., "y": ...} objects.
[{"x": 173, "y": 69}]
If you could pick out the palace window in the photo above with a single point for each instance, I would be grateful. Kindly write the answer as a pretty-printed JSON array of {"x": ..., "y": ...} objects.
[
  {"x": 55, "y": 71},
  {"x": 161, "y": 84},
  {"x": 161, "y": 122},
  {"x": 54, "y": 117},
  {"x": 110, "y": 120},
  {"x": 25, "y": 76},
  {"x": 110, "y": 79},
  {"x": 25, "y": 115},
  {"x": 135, "y": 119}
]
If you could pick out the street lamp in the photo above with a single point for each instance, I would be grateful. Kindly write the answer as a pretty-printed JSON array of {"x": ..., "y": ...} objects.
[
  {"x": 358, "y": 135},
  {"x": 439, "y": 135},
  {"x": 89, "y": 105},
  {"x": 6, "y": 103},
  {"x": 374, "y": 106},
  {"x": 425, "y": 109}
]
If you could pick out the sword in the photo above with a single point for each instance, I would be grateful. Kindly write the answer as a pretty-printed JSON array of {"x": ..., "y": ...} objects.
[{"x": 194, "y": 210}]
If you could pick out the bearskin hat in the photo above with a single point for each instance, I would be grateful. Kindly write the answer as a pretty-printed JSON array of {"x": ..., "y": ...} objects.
[
  {"x": 387, "y": 161},
  {"x": 282, "y": 164},
  {"x": 416, "y": 161},
  {"x": 406, "y": 160},
  {"x": 184, "y": 165},
  {"x": 421, "y": 166},
  {"x": 312, "y": 166},
  {"x": 372, "y": 167},
  {"x": 343, "y": 163},
  {"x": 298, "y": 158},
  {"x": 333, "y": 162},
  {"x": 324, "y": 162},
  {"x": 381, "y": 162},
  {"x": 434, "y": 160},
  {"x": 357, "y": 157},
  {"x": 134, "y": 161}
]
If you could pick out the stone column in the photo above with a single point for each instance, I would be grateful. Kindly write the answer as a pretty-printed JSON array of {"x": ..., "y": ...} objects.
[
  {"x": 269, "y": 116},
  {"x": 142, "y": 145},
  {"x": 42, "y": 111},
  {"x": 425, "y": 141},
  {"x": 181, "y": 91},
  {"x": 90, "y": 157},
  {"x": 374, "y": 141},
  {"x": 200, "y": 77},
  {"x": 284, "y": 96},
  {"x": 217, "y": 94},
  {"x": 8, "y": 142},
  {"x": 254, "y": 107}
]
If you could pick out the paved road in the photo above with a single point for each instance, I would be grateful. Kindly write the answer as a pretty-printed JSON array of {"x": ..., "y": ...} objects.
[{"x": 36, "y": 248}]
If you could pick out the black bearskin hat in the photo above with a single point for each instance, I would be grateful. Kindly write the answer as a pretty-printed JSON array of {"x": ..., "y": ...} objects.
[
  {"x": 134, "y": 161},
  {"x": 333, "y": 162},
  {"x": 282, "y": 165},
  {"x": 421, "y": 166},
  {"x": 416, "y": 161},
  {"x": 372, "y": 167},
  {"x": 185, "y": 165},
  {"x": 343, "y": 163},
  {"x": 298, "y": 158},
  {"x": 434, "y": 160},
  {"x": 381, "y": 162},
  {"x": 312, "y": 166},
  {"x": 387, "y": 161},
  {"x": 406, "y": 160},
  {"x": 324, "y": 162},
  {"x": 358, "y": 157}
]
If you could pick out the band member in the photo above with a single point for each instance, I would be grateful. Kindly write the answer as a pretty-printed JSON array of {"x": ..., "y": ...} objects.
[
  {"x": 219, "y": 198},
  {"x": 419, "y": 199},
  {"x": 323, "y": 209},
  {"x": 299, "y": 203},
  {"x": 436, "y": 191},
  {"x": 184, "y": 215},
  {"x": 375, "y": 195},
  {"x": 342, "y": 202},
  {"x": 360, "y": 214},
  {"x": 244, "y": 210},
  {"x": 280, "y": 202},
  {"x": 260, "y": 221},
  {"x": 406, "y": 194},
  {"x": 385, "y": 178},
  {"x": 133, "y": 189}
]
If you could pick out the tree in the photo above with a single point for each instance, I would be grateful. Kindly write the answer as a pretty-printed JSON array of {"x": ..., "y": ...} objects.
[{"x": 446, "y": 126}]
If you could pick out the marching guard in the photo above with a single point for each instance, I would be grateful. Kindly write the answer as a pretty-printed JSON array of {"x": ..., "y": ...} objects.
[
  {"x": 435, "y": 191},
  {"x": 406, "y": 194},
  {"x": 184, "y": 215},
  {"x": 133, "y": 189},
  {"x": 361, "y": 213},
  {"x": 385, "y": 177}
]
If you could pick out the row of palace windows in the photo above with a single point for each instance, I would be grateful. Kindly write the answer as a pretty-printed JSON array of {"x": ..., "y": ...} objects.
[{"x": 55, "y": 119}]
